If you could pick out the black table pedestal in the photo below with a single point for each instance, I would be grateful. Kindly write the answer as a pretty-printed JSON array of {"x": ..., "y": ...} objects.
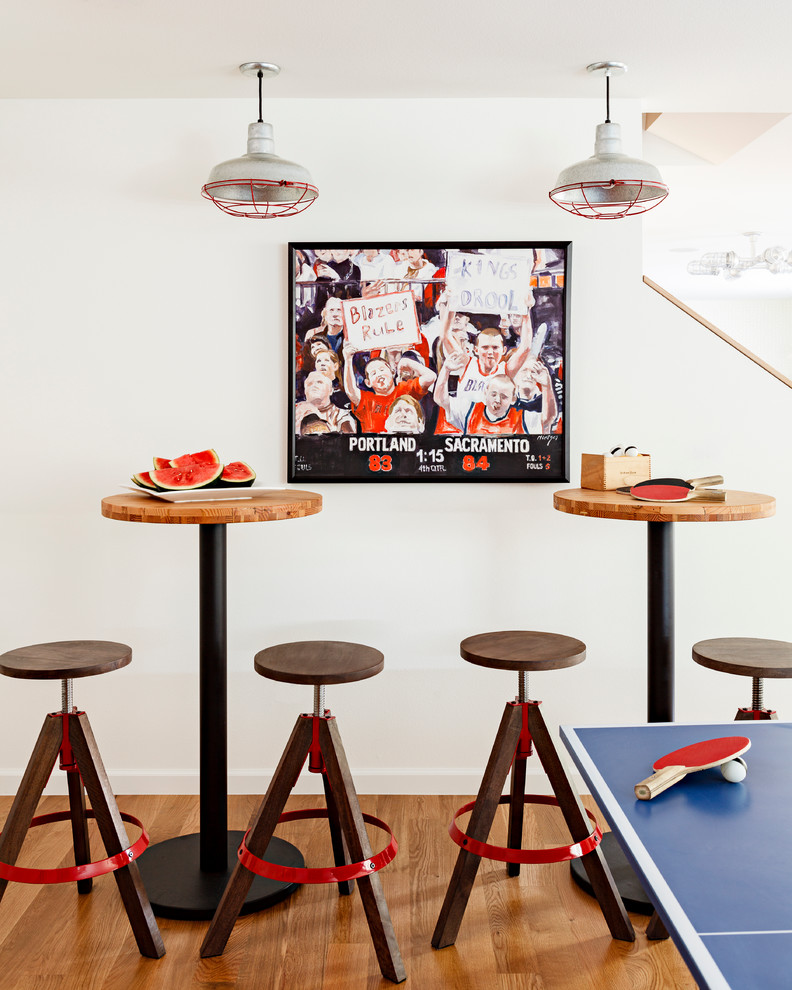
[
  {"x": 660, "y": 696},
  {"x": 178, "y": 888},
  {"x": 185, "y": 877},
  {"x": 660, "y": 622}
]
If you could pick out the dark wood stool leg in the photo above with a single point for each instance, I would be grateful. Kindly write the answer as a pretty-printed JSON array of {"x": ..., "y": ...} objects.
[
  {"x": 262, "y": 826},
  {"x": 79, "y": 822},
  {"x": 336, "y": 836},
  {"x": 114, "y": 836},
  {"x": 79, "y": 827},
  {"x": 479, "y": 826},
  {"x": 656, "y": 930},
  {"x": 354, "y": 829},
  {"x": 35, "y": 778},
  {"x": 579, "y": 826},
  {"x": 517, "y": 790},
  {"x": 516, "y": 810}
]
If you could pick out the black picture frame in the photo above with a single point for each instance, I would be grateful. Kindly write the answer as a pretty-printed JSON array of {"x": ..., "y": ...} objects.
[{"x": 470, "y": 309}]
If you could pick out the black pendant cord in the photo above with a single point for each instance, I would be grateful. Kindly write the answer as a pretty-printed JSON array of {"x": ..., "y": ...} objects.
[
  {"x": 260, "y": 75},
  {"x": 607, "y": 98}
]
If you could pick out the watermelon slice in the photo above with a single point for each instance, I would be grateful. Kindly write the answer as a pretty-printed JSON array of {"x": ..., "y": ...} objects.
[
  {"x": 161, "y": 462},
  {"x": 174, "y": 479},
  {"x": 143, "y": 479},
  {"x": 188, "y": 460},
  {"x": 237, "y": 474}
]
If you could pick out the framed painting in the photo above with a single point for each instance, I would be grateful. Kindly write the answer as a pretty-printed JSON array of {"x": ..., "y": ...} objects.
[{"x": 447, "y": 362}]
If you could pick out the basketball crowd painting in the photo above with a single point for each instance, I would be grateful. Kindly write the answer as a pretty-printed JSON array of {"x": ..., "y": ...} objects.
[{"x": 439, "y": 363}]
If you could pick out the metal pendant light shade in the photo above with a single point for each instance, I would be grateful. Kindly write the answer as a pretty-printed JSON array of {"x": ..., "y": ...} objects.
[
  {"x": 259, "y": 184},
  {"x": 610, "y": 184}
]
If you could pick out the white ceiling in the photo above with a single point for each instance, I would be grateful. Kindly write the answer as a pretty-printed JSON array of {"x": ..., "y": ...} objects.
[{"x": 682, "y": 54}]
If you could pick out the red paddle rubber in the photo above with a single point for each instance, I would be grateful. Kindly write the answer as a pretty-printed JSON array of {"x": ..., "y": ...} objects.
[
  {"x": 67, "y": 874},
  {"x": 328, "y": 874},
  {"x": 557, "y": 854}
]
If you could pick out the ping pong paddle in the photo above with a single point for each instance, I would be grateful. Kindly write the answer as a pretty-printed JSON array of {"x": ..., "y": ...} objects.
[
  {"x": 677, "y": 490},
  {"x": 672, "y": 767}
]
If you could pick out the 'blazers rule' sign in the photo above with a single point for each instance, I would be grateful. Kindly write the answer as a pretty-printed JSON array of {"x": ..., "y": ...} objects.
[{"x": 389, "y": 320}]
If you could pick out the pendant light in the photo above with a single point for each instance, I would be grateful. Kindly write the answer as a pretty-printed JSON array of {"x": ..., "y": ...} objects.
[
  {"x": 609, "y": 185},
  {"x": 260, "y": 184}
]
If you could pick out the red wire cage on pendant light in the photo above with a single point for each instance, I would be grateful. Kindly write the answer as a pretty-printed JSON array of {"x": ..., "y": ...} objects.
[
  {"x": 259, "y": 184},
  {"x": 609, "y": 185}
]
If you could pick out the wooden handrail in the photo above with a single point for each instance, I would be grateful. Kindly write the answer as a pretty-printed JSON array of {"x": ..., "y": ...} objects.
[{"x": 717, "y": 331}]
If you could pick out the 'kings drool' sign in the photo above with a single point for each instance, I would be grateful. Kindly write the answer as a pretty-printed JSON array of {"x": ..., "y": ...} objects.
[{"x": 487, "y": 283}]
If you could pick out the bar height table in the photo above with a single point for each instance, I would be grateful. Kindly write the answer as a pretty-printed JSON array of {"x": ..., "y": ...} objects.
[
  {"x": 659, "y": 517},
  {"x": 185, "y": 876}
]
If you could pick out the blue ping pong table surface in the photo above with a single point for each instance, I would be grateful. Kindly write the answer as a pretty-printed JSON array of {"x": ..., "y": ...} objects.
[{"x": 714, "y": 857}]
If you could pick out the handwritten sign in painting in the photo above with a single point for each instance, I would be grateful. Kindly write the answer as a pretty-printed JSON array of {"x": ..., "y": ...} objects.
[
  {"x": 488, "y": 283},
  {"x": 389, "y": 320}
]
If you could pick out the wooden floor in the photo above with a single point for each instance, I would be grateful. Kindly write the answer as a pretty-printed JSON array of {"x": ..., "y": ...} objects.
[{"x": 533, "y": 932}]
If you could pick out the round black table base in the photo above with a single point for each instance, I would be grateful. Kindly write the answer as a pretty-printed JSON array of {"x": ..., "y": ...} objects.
[
  {"x": 177, "y": 888},
  {"x": 627, "y": 883}
]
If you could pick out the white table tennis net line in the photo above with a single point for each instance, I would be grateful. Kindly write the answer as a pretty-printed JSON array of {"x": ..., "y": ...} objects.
[{"x": 753, "y": 931}]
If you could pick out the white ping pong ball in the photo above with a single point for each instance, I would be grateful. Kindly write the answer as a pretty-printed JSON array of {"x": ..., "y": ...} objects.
[
  {"x": 734, "y": 771},
  {"x": 614, "y": 452},
  {"x": 631, "y": 452}
]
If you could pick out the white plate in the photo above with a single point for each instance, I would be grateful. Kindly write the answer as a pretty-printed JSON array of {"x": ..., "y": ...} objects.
[{"x": 200, "y": 494}]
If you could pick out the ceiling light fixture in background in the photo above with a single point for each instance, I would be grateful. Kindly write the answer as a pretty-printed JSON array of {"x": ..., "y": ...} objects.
[
  {"x": 260, "y": 184},
  {"x": 609, "y": 185},
  {"x": 776, "y": 260}
]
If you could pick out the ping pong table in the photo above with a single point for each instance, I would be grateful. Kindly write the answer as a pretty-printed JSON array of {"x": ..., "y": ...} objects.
[{"x": 714, "y": 857}]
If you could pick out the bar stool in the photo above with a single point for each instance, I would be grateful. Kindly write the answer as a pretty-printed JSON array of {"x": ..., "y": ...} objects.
[
  {"x": 754, "y": 658},
  {"x": 67, "y": 735},
  {"x": 521, "y": 725},
  {"x": 316, "y": 738}
]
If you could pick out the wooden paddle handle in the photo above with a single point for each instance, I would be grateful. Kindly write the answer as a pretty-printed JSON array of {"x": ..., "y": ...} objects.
[
  {"x": 707, "y": 495},
  {"x": 713, "y": 479},
  {"x": 659, "y": 782}
]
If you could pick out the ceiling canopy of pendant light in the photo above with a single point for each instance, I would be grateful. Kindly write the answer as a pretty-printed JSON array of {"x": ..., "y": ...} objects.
[
  {"x": 609, "y": 185},
  {"x": 260, "y": 185}
]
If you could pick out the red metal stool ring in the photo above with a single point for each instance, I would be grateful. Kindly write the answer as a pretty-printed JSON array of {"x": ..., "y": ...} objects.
[
  {"x": 557, "y": 854},
  {"x": 328, "y": 874},
  {"x": 67, "y": 874}
]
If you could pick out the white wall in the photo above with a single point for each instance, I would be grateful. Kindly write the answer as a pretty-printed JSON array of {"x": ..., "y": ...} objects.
[
  {"x": 137, "y": 320},
  {"x": 764, "y": 326}
]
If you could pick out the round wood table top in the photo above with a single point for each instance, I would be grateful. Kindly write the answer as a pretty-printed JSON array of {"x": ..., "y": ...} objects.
[
  {"x": 749, "y": 657},
  {"x": 522, "y": 650},
  {"x": 65, "y": 660},
  {"x": 319, "y": 662},
  {"x": 619, "y": 505},
  {"x": 269, "y": 505}
]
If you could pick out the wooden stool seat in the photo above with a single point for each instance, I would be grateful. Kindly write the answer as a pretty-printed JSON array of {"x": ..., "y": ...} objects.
[
  {"x": 517, "y": 650},
  {"x": 65, "y": 660},
  {"x": 319, "y": 662},
  {"x": 746, "y": 656},
  {"x": 754, "y": 658}
]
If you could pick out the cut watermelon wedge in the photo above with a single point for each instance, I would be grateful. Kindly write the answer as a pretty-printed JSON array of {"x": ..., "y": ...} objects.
[
  {"x": 174, "y": 479},
  {"x": 201, "y": 457},
  {"x": 143, "y": 479},
  {"x": 237, "y": 474}
]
